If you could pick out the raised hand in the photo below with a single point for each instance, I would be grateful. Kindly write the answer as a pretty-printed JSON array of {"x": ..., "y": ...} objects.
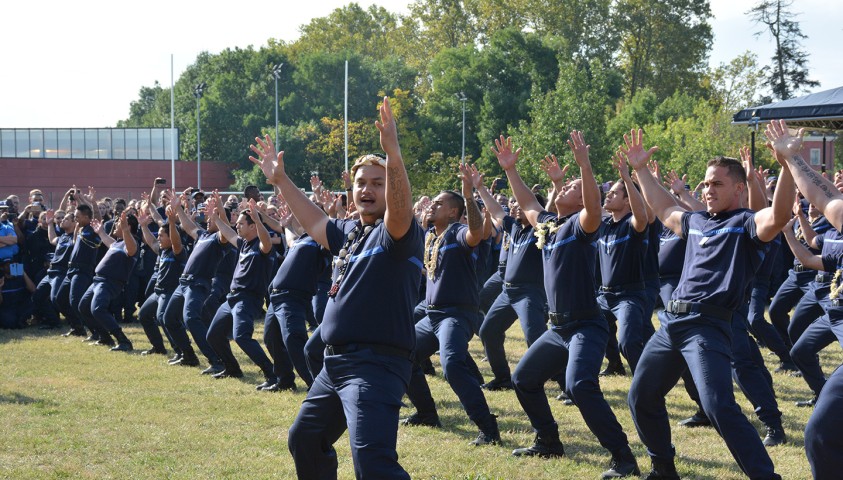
[
  {"x": 346, "y": 180},
  {"x": 388, "y": 130},
  {"x": 633, "y": 149},
  {"x": 253, "y": 211},
  {"x": 780, "y": 139},
  {"x": 550, "y": 166},
  {"x": 466, "y": 178},
  {"x": 315, "y": 183},
  {"x": 676, "y": 183},
  {"x": 271, "y": 164},
  {"x": 579, "y": 148},
  {"x": 96, "y": 225},
  {"x": 620, "y": 164},
  {"x": 503, "y": 151},
  {"x": 474, "y": 175}
]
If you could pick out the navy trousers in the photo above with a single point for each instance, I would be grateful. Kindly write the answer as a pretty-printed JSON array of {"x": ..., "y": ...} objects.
[
  {"x": 816, "y": 337},
  {"x": 577, "y": 351},
  {"x": 809, "y": 308},
  {"x": 627, "y": 309},
  {"x": 184, "y": 312},
  {"x": 236, "y": 317},
  {"x": 42, "y": 298},
  {"x": 787, "y": 296},
  {"x": 314, "y": 352},
  {"x": 528, "y": 304},
  {"x": 285, "y": 334},
  {"x": 824, "y": 431},
  {"x": 361, "y": 392},
  {"x": 490, "y": 291},
  {"x": 70, "y": 292},
  {"x": 703, "y": 346},
  {"x": 758, "y": 324},
  {"x": 94, "y": 305}
]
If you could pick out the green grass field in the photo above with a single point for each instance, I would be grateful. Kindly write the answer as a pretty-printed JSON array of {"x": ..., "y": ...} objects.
[{"x": 72, "y": 410}]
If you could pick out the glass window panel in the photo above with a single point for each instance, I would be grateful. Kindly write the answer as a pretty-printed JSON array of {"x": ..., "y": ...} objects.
[
  {"x": 157, "y": 146},
  {"x": 104, "y": 142},
  {"x": 91, "y": 140},
  {"x": 77, "y": 143},
  {"x": 815, "y": 156},
  {"x": 64, "y": 143},
  {"x": 7, "y": 143},
  {"x": 131, "y": 144},
  {"x": 118, "y": 144},
  {"x": 167, "y": 134},
  {"x": 144, "y": 152},
  {"x": 36, "y": 143},
  {"x": 22, "y": 143},
  {"x": 51, "y": 145}
]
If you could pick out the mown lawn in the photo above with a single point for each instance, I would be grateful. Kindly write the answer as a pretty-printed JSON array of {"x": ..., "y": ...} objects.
[{"x": 72, "y": 410}]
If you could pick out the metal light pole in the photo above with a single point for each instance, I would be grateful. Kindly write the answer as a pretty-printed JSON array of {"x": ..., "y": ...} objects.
[
  {"x": 462, "y": 98},
  {"x": 198, "y": 90},
  {"x": 276, "y": 74}
]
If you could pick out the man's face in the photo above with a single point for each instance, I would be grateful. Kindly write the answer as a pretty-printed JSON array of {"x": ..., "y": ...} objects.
[
  {"x": 369, "y": 191},
  {"x": 244, "y": 228},
  {"x": 103, "y": 208},
  {"x": 720, "y": 192},
  {"x": 442, "y": 210},
  {"x": 164, "y": 239},
  {"x": 37, "y": 197},
  {"x": 66, "y": 223},
  {"x": 119, "y": 207},
  {"x": 82, "y": 219},
  {"x": 15, "y": 203},
  {"x": 615, "y": 199}
]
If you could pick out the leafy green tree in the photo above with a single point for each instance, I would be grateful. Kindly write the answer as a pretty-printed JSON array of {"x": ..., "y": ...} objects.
[
  {"x": 788, "y": 74},
  {"x": 735, "y": 86}
]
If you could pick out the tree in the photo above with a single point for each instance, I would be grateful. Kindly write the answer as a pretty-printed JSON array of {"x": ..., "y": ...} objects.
[
  {"x": 735, "y": 86},
  {"x": 664, "y": 44},
  {"x": 789, "y": 72}
]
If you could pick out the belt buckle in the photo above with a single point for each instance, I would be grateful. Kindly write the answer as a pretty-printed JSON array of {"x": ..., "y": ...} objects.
[{"x": 835, "y": 302}]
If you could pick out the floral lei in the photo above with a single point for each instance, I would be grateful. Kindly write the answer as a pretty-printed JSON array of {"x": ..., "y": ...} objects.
[
  {"x": 545, "y": 229},
  {"x": 836, "y": 288}
]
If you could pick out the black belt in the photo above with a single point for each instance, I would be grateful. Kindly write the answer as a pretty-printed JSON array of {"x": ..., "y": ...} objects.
[
  {"x": 187, "y": 276},
  {"x": 623, "y": 287},
  {"x": 559, "y": 319},
  {"x": 331, "y": 350},
  {"x": 677, "y": 306},
  {"x": 823, "y": 277},
  {"x": 463, "y": 307}
]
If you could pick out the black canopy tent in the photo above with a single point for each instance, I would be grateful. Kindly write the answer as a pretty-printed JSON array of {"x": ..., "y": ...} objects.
[{"x": 817, "y": 111}]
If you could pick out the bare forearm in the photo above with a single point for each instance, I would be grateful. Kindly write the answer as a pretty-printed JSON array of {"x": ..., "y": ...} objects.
[
  {"x": 802, "y": 253},
  {"x": 816, "y": 188},
  {"x": 494, "y": 208},
  {"x": 475, "y": 218},
  {"x": 525, "y": 197},
  {"x": 691, "y": 203},
  {"x": 399, "y": 202},
  {"x": 659, "y": 199},
  {"x": 590, "y": 201},
  {"x": 225, "y": 230},
  {"x": 306, "y": 212}
]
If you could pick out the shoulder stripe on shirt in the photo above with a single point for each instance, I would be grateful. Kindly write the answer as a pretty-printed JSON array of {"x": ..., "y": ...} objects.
[{"x": 694, "y": 231}]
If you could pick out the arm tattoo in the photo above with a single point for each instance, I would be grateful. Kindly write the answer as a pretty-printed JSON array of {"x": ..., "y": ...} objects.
[
  {"x": 399, "y": 197},
  {"x": 475, "y": 220},
  {"x": 813, "y": 177}
]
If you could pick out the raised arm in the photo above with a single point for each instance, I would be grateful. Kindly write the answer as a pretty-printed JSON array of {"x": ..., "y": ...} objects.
[
  {"x": 493, "y": 208},
  {"x": 97, "y": 225},
  {"x": 591, "y": 215},
  {"x": 660, "y": 200},
  {"x": 770, "y": 221},
  {"x": 128, "y": 238},
  {"x": 399, "y": 201},
  {"x": 472, "y": 211},
  {"x": 526, "y": 198},
  {"x": 805, "y": 256},
  {"x": 816, "y": 188},
  {"x": 175, "y": 237},
  {"x": 677, "y": 186},
  {"x": 757, "y": 195},
  {"x": 148, "y": 237},
  {"x": 51, "y": 227},
  {"x": 636, "y": 201},
  {"x": 187, "y": 223},
  {"x": 311, "y": 217},
  {"x": 263, "y": 234},
  {"x": 227, "y": 234}
]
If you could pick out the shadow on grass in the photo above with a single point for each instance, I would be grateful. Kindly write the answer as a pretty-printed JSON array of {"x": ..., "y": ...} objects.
[{"x": 15, "y": 398}]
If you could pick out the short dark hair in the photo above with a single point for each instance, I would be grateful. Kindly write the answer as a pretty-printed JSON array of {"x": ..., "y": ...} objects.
[
  {"x": 248, "y": 214},
  {"x": 120, "y": 200},
  {"x": 457, "y": 201},
  {"x": 734, "y": 168},
  {"x": 85, "y": 210},
  {"x": 133, "y": 223},
  {"x": 252, "y": 191}
]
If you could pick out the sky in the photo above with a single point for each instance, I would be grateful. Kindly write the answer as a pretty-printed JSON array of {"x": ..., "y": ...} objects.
[{"x": 80, "y": 64}]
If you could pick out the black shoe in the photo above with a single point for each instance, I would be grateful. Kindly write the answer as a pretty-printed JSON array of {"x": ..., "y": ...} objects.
[
  {"x": 93, "y": 337},
  {"x": 807, "y": 403},
  {"x": 775, "y": 436},
  {"x": 74, "y": 332},
  {"x": 563, "y": 396},
  {"x": 699, "y": 419},
  {"x": 497, "y": 384},
  {"x": 613, "y": 369},
  {"x": 267, "y": 383},
  {"x": 155, "y": 351},
  {"x": 277, "y": 387},
  {"x": 416, "y": 419},
  {"x": 622, "y": 466},
  {"x": 213, "y": 370},
  {"x": 544, "y": 448},
  {"x": 662, "y": 470},
  {"x": 122, "y": 347},
  {"x": 228, "y": 374},
  {"x": 176, "y": 358},
  {"x": 187, "y": 361},
  {"x": 489, "y": 433},
  {"x": 786, "y": 367},
  {"x": 106, "y": 341}
]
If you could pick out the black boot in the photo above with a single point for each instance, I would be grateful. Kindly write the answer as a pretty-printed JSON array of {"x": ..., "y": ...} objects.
[
  {"x": 613, "y": 368},
  {"x": 698, "y": 419},
  {"x": 623, "y": 465},
  {"x": 123, "y": 343},
  {"x": 489, "y": 433},
  {"x": 545, "y": 445},
  {"x": 188, "y": 359},
  {"x": 417, "y": 419},
  {"x": 775, "y": 436},
  {"x": 662, "y": 470}
]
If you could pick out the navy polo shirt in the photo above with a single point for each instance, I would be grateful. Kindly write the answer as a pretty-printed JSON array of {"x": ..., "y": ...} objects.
[
  {"x": 64, "y": 247},
  {"x": 831, "y": 244},
  {"x": 84, "y": 255},
  {"x": 524, "y": 263},
  {"x": 226, "y": 265},
  {"x": 117, "y": 265},
  {"x": 771, "y": 258},
  {"x": 170, "y": 267},
  {"x": 671, "y": 253},
  {"x": 305, "y": 263},
  {"x": 454, "y": 282},
  {"x": 820, "y": 226},
  {"x": 570, "y": 261},
  {"x": 723, "y": 253},
  {"x": 651, "y": 259},
  {"x": 205, "y": 256},
  {"x": 253, "y": 269},
  {"x": 481, "y": 254},
  {"x": 622, "y": 252},
  {"x": 376, "y": 297}
]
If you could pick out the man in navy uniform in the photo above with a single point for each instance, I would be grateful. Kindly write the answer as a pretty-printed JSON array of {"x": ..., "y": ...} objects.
[
  {"x": 235, "y": 318},
  {"x": 368, "y": 322},
  {"x": 577, "y": 339},
  {"x": 80, "y": 270},
  {"x": 725, "y": 246}
]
